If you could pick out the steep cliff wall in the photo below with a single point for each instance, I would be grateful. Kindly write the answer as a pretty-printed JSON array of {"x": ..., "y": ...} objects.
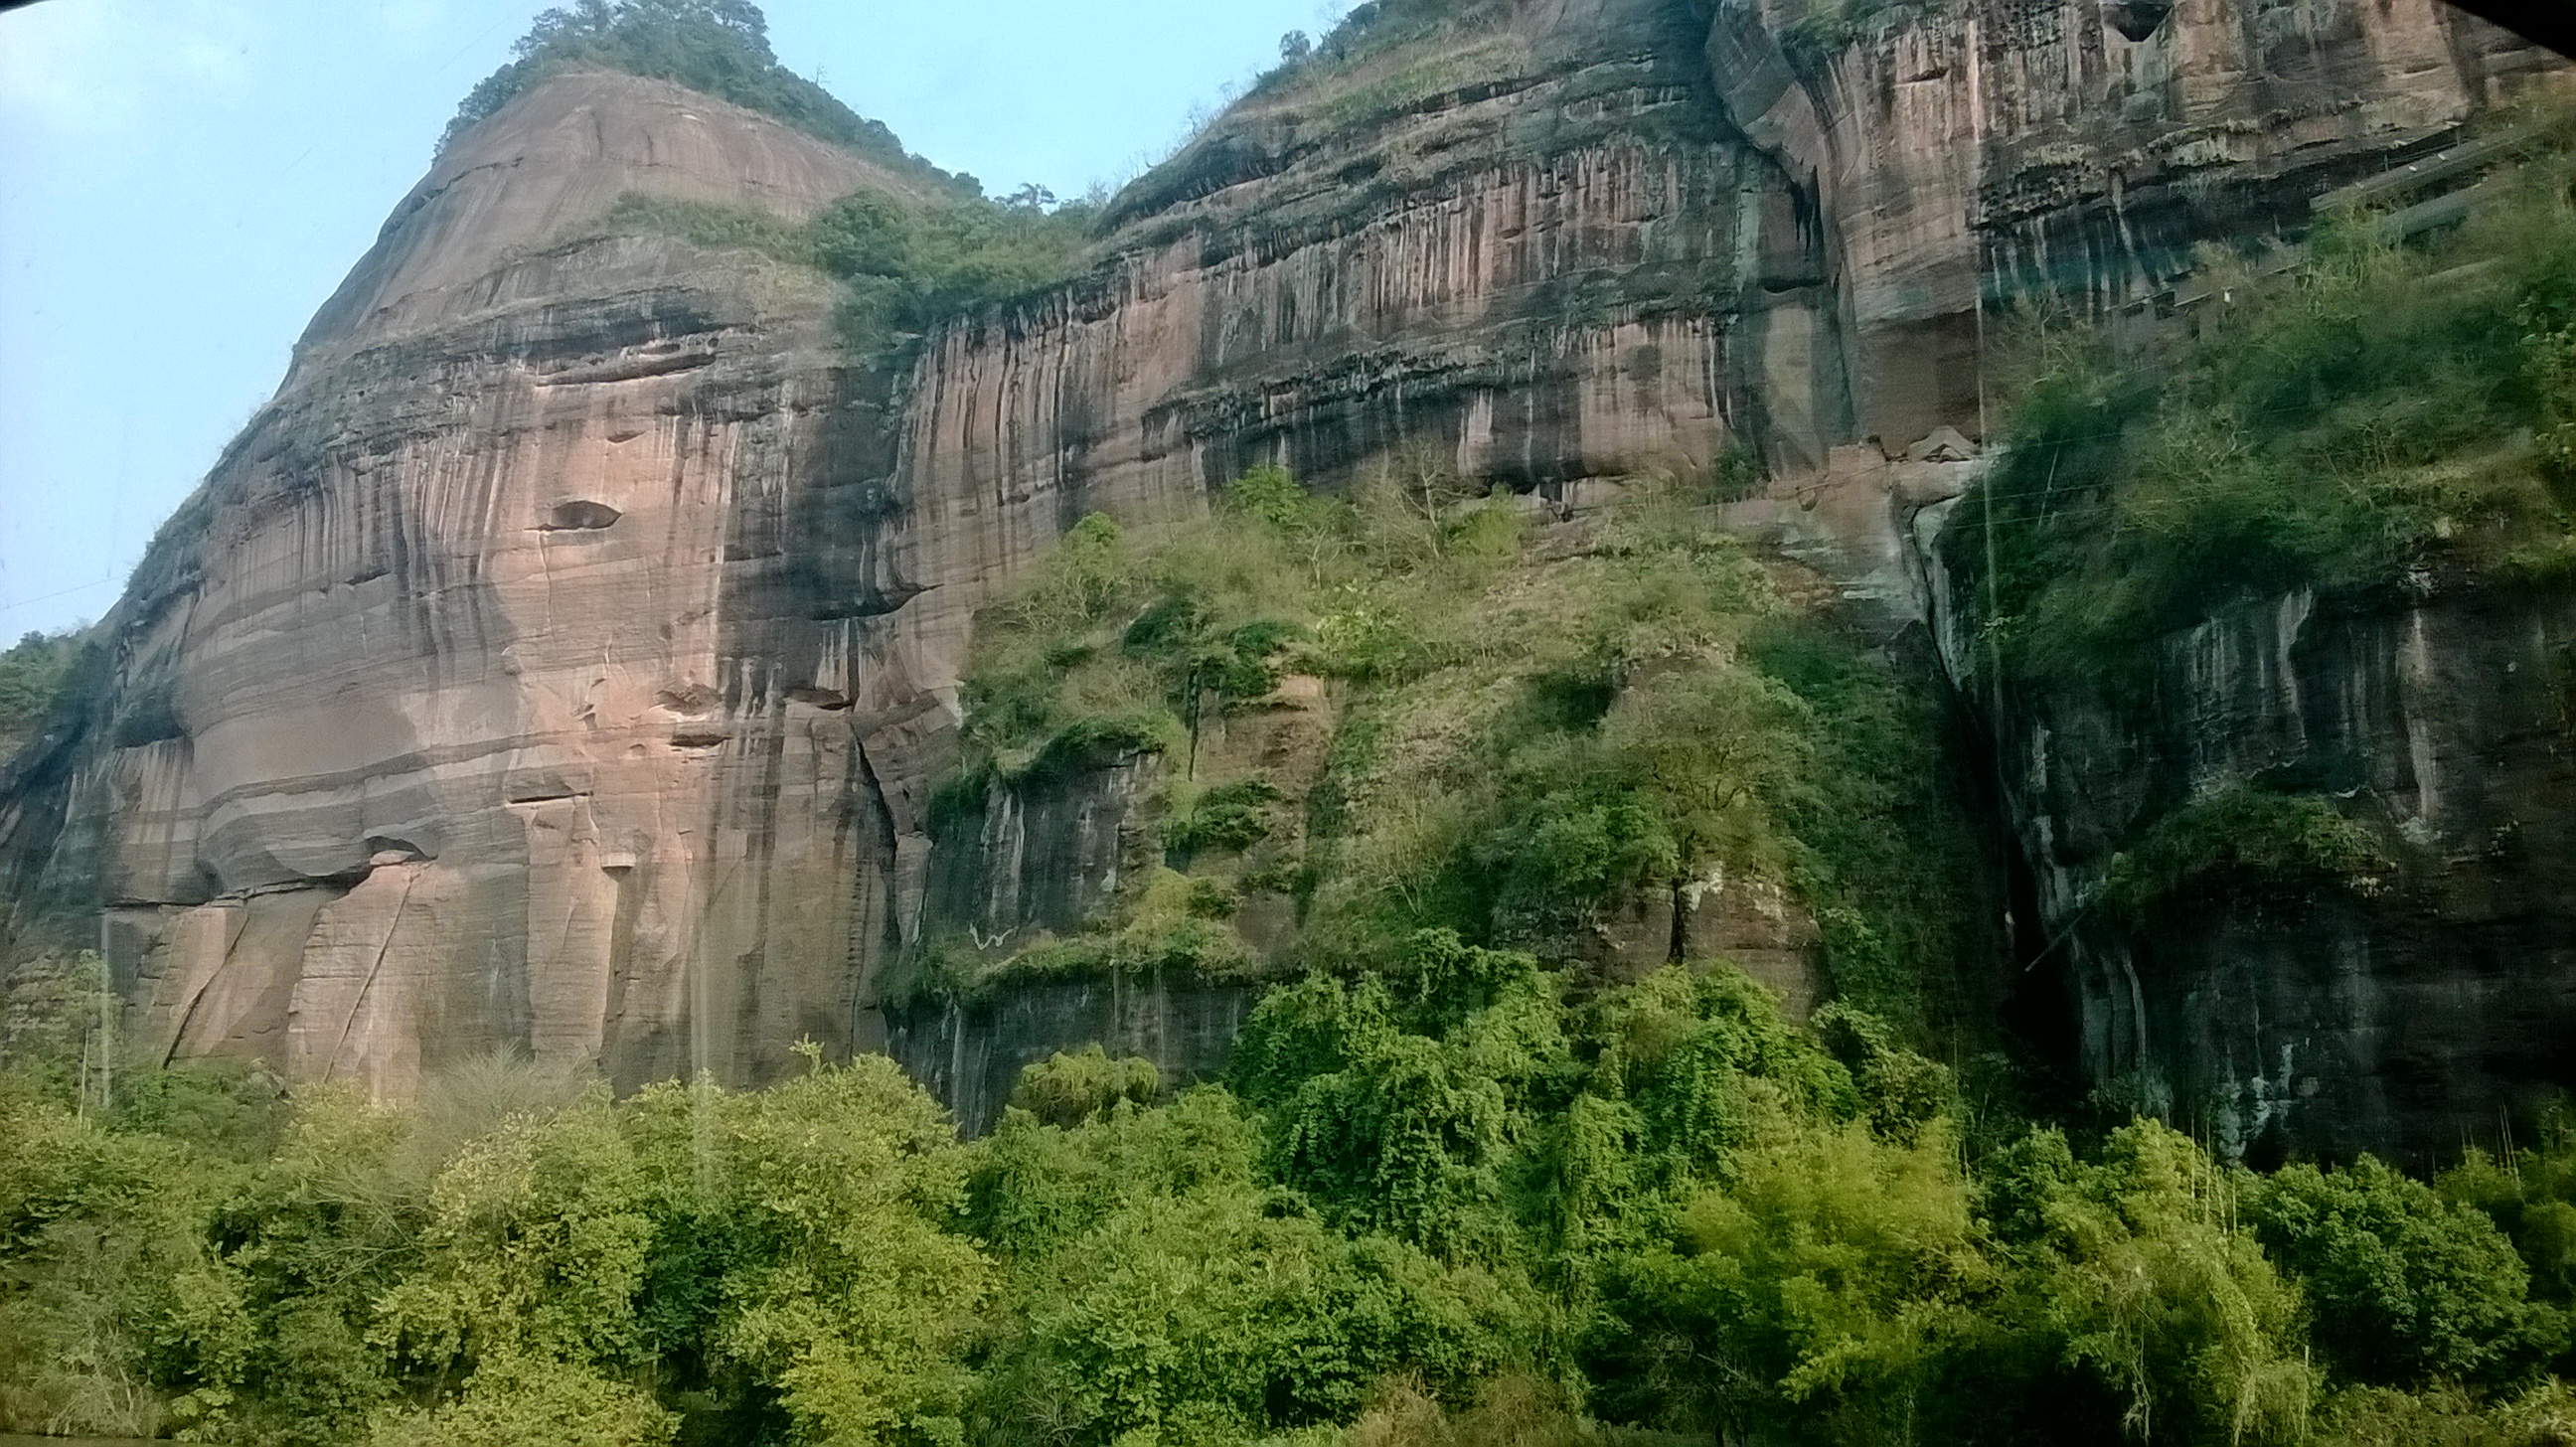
[
  {"x": 564, "y": 660},
  {"x": 475, "y": 700},
  {"x": 2323, "y": 1019},
  {"x": 2079, "y": 150},
  {"x": 1970, "y": 160}
]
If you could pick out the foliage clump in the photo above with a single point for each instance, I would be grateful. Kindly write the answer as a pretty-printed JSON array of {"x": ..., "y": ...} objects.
[
  {"x": 33, "y": 675},
  {"x": 717, "y": 47},
  {"x": 1071, "y": 1087},
  {"x": 2407, "y": 1287},
  {"x": 2249, "y": 843}
]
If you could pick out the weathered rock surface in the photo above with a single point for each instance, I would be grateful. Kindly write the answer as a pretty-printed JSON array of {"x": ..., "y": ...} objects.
[
  {"x": 2325, "y": 1022},
  {"x": 457, "y": 710},
  {"x": 563, "y": 661},
  {"x": 971, "y": 1055}
]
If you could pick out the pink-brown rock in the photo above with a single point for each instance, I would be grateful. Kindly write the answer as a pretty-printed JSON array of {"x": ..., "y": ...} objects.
[{"x": 564, "y": 660}]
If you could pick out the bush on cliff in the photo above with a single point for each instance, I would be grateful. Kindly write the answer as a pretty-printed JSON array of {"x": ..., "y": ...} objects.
[
  {"x": 33, "y": 675},
  {"x": 1520, "y": 736},
  {"x": 719, "y": 47},
  {"x": 906, "y": 265},
  {"x": 2246, "y": 843}
]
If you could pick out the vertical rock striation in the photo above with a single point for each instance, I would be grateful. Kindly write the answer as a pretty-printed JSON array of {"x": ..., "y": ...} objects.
[
  {"x": 2322, "y": 1021},
  {"x": 476, "y": 700},
  {"x": 563, "y": 661}
]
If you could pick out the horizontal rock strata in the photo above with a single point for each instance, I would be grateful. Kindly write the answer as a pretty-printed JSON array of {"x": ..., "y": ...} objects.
[{"x": 564, "y": 661}]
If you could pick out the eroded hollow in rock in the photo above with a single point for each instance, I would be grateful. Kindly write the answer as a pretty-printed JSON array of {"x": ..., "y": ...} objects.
[
  {"x": 581, "y": 515},
  {"x": 2136, "y": 20}
]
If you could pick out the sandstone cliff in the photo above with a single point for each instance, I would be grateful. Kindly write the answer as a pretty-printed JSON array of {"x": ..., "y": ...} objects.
[
  {"x": 453, "y": 711},
  {"x": 564, "y": 659}
]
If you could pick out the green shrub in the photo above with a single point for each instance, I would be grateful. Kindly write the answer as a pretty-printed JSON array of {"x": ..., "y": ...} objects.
[
  {"x": 1163, "y": 1290},
  {"x": 2150, "y": 1292},
  {"x": 1228, "y": 816},
  {"x": 1823, "y": 1284},
  {"x": 2447, "y": 1416},
  {"x": 516, "y": 1400},
  {"x": 2531, "y": 1194},
  {"x": 32, "y": 676},
  {"x": 2246, "y": 842},
  {"x": 1067, "y": 1089},
  {"x": 2407, "y": 1288}
]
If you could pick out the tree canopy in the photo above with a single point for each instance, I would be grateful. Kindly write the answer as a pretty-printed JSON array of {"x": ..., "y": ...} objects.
[{"x": 720, "y": 47}]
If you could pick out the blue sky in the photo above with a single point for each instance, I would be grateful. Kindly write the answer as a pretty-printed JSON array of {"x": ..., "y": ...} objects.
[{"x": 183, "y": 181}]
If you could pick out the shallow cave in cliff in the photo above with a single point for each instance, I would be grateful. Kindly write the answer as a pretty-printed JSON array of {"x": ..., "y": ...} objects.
[{"x": 581, "y": 516}]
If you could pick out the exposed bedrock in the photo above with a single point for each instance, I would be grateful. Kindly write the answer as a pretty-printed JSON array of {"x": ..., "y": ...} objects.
[
  {"x": 564, "y": 660},
  {"x": 478, "y": 700},
  {"x": 2402, "y": 1020},
  {"x": 1995, "y": 154}
]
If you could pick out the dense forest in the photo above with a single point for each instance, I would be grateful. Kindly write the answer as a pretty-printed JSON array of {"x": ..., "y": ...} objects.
[{"x": 1464, "y": 1198}]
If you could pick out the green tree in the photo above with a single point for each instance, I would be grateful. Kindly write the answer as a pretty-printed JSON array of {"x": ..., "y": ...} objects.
[
  {"x": 32, "y": 675},
  {"x": 2407, "y": 1288},
  {"x": 720, "y": 47},
  {"x": 1819, "y": 1292},
  {"x": 2130, "y": 1270},
  {"x": 847, "y": 1296}
]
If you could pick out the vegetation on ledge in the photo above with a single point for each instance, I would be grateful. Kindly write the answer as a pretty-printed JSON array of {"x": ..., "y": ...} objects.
[
  {"x": 33, "y": 676},
  {"x": 2379, "y": 417},
  {"x": 904, "y": 266},
  {"x": 2248, "y": 843},
  {"x": 1536, "y": 734}
]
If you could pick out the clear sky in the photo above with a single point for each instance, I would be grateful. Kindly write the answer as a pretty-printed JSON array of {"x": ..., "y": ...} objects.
[{"x": 182, "y": 182}]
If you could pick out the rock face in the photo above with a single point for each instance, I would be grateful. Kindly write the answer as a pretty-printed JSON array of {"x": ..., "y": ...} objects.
[
  {"x": 563, "y": 661},
  {"x": 2327, "y": 1023},
  {"x": 456, "y": 710},
  {"x": 2066, "y": 152},
  {"x": 2079, "y": 150}
]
